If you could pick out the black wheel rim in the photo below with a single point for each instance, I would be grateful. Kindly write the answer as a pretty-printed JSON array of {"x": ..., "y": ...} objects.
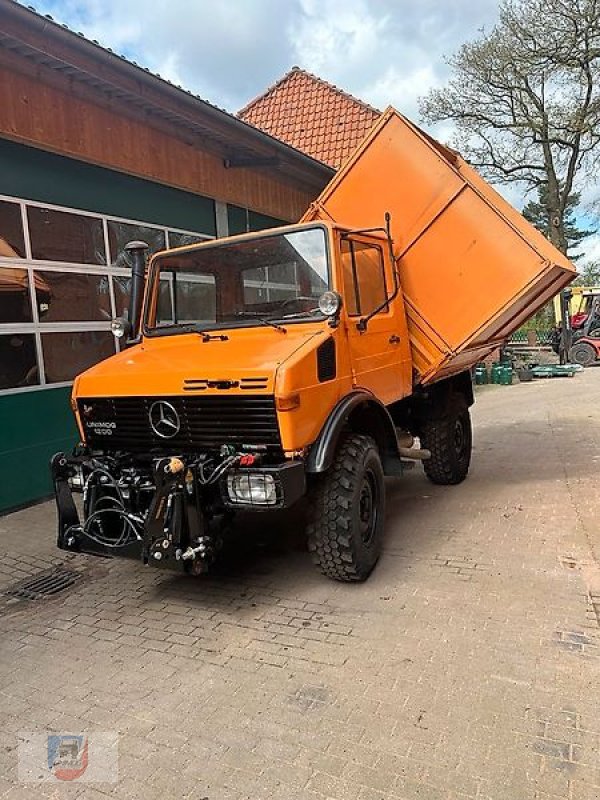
[
  {"x": 459, "y": 438},
  {"x": 368, "y": 503}
]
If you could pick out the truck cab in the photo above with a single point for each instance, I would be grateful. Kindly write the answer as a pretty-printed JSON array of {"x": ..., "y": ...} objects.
[{"x": 255, "y": 362}]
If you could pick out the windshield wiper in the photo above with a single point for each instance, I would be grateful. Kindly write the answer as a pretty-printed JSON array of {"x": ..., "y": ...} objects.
[
  {"x": 263, "y": 320},
  {"x": 174, "y": 329},
  {"x": 297, "y": 314}
]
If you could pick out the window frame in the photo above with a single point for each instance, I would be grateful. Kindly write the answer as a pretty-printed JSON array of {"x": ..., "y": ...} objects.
[
  {"x": 351, "y": 240},
  {"x": 149, "y": 307},
  {"x": 38, "y": 327}
]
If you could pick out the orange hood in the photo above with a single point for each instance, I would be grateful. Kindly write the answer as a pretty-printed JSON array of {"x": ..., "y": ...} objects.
[{"x": 170, "y": 365}]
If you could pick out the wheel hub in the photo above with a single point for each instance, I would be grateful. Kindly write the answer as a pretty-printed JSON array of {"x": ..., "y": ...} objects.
[
  {"x": 459, "y": 437},
  {"x": 367, "y": 507}
]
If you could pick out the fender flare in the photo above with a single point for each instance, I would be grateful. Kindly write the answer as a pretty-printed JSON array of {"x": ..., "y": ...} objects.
[{"x": 371, "y": 417}]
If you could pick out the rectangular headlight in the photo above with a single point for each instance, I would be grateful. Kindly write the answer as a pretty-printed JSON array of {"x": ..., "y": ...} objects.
[{"x": 252, "y": 488}]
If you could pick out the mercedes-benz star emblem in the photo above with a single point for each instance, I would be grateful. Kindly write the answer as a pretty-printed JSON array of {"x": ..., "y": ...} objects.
[{"x": 164, "y": 420}]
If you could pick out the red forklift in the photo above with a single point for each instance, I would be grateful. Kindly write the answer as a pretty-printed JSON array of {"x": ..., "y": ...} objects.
[
  {"x": 576, "y": 337},
  {"x": 585, "y": 327}
]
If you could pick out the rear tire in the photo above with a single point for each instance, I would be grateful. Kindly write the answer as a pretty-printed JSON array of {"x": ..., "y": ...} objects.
[
  {"x": 450, "y": 441},
  {"x": 346, "y": 511},
  {"x": 582, "y": 353}
]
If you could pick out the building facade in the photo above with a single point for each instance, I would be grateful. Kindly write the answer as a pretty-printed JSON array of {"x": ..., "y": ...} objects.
[{"x": 95, "y": 152}]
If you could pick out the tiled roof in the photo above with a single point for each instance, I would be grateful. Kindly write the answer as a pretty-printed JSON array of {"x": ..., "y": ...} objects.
[{"x": 312, "y": 115}]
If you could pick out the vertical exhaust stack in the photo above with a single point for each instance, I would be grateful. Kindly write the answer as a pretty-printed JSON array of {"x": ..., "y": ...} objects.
[{"x": 137, "y": 251}]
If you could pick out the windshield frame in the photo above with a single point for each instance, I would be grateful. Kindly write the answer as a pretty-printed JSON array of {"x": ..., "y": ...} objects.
[{"x": 190, "y": 327}]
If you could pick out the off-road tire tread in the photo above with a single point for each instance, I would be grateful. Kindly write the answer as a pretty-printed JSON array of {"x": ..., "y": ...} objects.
[
  {"x": 330, "y": 514},
  {"x": 437, "y": 436}
]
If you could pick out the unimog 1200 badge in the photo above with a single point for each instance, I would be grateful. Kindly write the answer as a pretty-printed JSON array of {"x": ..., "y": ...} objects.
[{"x": 101, "y": 428}]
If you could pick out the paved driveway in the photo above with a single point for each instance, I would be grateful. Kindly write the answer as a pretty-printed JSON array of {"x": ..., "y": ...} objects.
[{"x": 466, "y": 667}]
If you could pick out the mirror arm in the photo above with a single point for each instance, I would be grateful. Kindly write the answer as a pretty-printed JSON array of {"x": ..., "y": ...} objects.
[{"x": 362, "y": 323}]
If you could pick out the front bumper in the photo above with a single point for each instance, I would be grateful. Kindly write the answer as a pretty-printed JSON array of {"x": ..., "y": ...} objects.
[{"x": 177, "y": 525}]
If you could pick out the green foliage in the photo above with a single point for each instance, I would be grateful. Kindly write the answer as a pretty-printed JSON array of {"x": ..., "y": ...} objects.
[
  {"x": 539, "y": 213},
  {"x": 589, "y": 275},
  {"x": 542, "y": 320}
]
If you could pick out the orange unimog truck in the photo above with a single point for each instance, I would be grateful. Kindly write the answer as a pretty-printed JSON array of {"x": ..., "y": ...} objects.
[{"x": 303, "y": 363}]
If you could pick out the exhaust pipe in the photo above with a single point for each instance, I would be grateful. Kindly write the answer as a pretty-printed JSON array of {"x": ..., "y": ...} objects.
[{"x": 137, "y": 252}]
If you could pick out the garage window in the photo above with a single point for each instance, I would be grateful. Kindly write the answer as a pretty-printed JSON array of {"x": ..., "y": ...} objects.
[
  {"x": 72, "y": 297},
  {"x": 18, "y": 361},
  {"x": 68, "y": 354},
  {"x": 12, "y": 239},
  {"x": 63, "y": 276},
  {"x": 15, "y": 295},
  {"x": 61, "y": 236},
  {"x": 120, "y": 233}
]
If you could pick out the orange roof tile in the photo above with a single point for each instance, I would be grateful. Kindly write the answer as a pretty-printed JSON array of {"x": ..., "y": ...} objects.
[{"x": 312, "y": 115}]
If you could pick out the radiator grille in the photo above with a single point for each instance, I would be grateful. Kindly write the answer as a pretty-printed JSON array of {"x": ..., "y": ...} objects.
[{"x": 205, "y": 421}]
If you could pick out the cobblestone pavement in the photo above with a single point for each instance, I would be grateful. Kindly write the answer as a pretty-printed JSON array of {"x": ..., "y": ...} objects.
[{"x": 466, "y": 667}]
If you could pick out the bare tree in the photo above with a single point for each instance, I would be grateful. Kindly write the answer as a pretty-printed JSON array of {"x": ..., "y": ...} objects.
[{"x": 525, "y": 100}]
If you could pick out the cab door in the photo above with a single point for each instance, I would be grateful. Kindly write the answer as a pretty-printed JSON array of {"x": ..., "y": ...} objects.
[{"x": 379, "y": 355}]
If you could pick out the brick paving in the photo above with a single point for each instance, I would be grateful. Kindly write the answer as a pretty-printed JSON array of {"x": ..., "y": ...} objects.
[{"x": 466, "y": 667}]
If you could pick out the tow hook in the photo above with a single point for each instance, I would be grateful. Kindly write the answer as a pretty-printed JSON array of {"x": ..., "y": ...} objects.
[{"x": 204, "y": 549}]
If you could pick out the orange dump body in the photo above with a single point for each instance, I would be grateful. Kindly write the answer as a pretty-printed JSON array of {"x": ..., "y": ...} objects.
[{"x": 472, "y": 268}]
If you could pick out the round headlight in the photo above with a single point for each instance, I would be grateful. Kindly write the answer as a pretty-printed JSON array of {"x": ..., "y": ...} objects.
[
  {"x": 330, "y": 304},
  {"x": 120, "y": 327}
]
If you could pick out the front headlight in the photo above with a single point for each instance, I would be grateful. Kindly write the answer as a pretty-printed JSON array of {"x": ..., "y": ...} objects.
[
  {"x": 120, "y": 327},
  {"x": 330, "y": 304},
  {"x": 252, "y": 488}
]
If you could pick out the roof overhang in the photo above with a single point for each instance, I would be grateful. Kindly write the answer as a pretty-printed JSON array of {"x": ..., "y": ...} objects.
[{"x": 42, "y": 43}]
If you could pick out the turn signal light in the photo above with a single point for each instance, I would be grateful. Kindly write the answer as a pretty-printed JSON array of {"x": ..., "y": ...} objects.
[{"x": 288, "y": 402}]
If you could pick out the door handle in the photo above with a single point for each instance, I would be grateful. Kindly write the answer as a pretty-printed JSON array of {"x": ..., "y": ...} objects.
[{"x": 394, "y": 339}]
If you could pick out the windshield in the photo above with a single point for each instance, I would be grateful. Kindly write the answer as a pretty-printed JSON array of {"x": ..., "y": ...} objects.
[{"x": 277, "y": 277}]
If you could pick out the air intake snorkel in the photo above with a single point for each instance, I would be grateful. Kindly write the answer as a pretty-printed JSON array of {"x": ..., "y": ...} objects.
[{"x": 137, "y": 252}]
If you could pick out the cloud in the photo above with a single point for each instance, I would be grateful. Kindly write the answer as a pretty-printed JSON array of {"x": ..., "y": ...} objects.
[
  {"x": 228, "y": 51},
  {"x": 386, "y": 52},
  {"x": 590, "y": 251}
]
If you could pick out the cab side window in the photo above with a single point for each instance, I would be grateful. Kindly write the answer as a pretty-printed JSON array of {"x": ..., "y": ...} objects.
[{"x": 363, "y": 276}]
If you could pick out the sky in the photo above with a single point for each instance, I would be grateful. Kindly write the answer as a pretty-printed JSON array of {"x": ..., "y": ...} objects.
[{"x": 229, "y": 51}]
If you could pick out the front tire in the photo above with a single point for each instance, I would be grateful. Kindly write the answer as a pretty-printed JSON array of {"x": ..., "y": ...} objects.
[
  {"x": 450, "y": 441},
  {"x": 582, "y": 353},
  {"x": 346, "y": 511}
]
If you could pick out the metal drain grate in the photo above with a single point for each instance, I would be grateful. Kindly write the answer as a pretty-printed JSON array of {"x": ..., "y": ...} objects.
[{"x": 44, "y": 584}]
